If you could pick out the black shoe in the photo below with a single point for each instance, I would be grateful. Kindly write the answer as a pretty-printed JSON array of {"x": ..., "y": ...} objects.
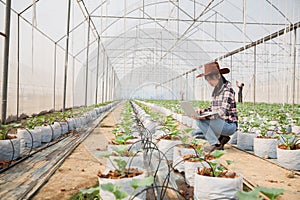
[{"x": 223, "y": 139}]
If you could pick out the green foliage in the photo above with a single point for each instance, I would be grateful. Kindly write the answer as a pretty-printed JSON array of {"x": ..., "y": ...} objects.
[
  {"x": 263, "y": 131},
  {"x": 87, "y": 194},
  {"x": 134, "y": 183},
  {"x": 122, "y": 151},
  {"x": 217, "y": 153},
  {"x": 216, "y": 167},
  {"x": 50, "y": 119},
  {"x": 200, "y": 150},
  {"x": 4, "y": 129},
  {"x": 184, "y": 140},
  {"x": 121, "y": 166},
  {"x": 289, "y": 140},
  {"x": 30, "y": 123},
  {"x": 271, "y": 193},
  {"x": 170, "y": 127},
  {"x": 122, "y": 139},
  {"x": 115, "y": 190},
  {"x": 251, "y": 195}
]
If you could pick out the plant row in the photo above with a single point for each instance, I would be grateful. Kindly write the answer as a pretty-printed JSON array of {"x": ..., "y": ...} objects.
[
  {"x": 18, "y": 140},
  {"x": 157, "y": 148}
]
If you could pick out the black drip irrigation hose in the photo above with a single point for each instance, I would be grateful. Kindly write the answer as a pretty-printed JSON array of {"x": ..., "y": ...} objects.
[
  {"x": 13, "y": 153},
  {"x": 31, "y": 140},
  {"x": 52, "y": 134},
  {"x": 29, "y": 155},
  {"x": 157, "y": 187},
  {"x": 161, "y": 156}
]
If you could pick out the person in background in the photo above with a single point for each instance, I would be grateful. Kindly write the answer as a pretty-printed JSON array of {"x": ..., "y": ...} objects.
[
  {"x": 217, "y": 128},
  {"x": 240, "y": 93}
]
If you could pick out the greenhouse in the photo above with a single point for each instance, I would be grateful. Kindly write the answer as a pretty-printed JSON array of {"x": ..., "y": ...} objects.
[{"x": 150, "y": 99}]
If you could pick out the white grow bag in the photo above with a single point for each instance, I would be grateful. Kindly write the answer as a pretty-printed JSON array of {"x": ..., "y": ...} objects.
[
  {"x": 190, "y": 169},
  {"x": 167, "y": 147},
  {"x": 29, "y": 139},
  {"x": 216, "y": 188},
  {"x": 46, "y": 133},
  {"x": 178, "y": 154},
  {"x": 245, "y": 140},
  {"x": 9, "y": 149},
  {"x": 289, "y": 159},
  {"x": 56, "y": 130},
  {"x": 265, "y": 147}
]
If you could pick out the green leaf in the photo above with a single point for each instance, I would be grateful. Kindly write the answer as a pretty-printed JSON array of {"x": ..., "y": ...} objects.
[
  {"x": 252, "y": 195},
  {"x": 90, "y": 190},
  {"x": 106, "y": 154},
  {"x": 108, "y": 187},
  {"x": 121, "y": 165},
  {"x": 16, "y": 125},
  {"x": 120, "y": 151},
  {"x": 272, "y": 193},
  {"x": 229, "y": 162},
  {"x": 120, "y": 194},
  {"x": 135, "y": 183},
  {"x": 217, "y": 153}
]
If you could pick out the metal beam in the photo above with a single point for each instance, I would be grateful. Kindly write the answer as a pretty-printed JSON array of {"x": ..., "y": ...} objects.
[
  {"x": 5, "y": 61},
  {"x": 187, "y": 20},
  {"x": 262, "y": 40},
  {"x": 66, "y": 56},
  {"x": 252, "y": 44},
  {"x": 98, "y": 59},
  {"x": 294, "y": 68},
  {"x": 87, "y": 63}
]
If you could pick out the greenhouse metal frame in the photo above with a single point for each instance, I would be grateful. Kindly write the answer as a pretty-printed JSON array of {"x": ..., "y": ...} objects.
[{"x": 64, "y": 54}]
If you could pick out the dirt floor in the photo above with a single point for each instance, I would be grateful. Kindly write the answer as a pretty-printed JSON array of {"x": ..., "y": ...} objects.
[{"x": 80, "y": 169}]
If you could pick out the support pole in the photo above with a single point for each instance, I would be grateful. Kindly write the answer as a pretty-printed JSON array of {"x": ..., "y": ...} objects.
[
  {"x": 87, "y": 63},
  {"x": 254, "y": 78},
  {"x": 114, "y": 86},
  {"x": 54, "y": 78},
  {"x": 294, "y": 69},
  {"x": 6, "y": 60},
  {"x": 186, "y": 90},
  {"x": 18, "y": 67},
  {"x": 98, "y": 54},
  {"x": 106, "y": 78},
  {"x": 66, "y": 56},
  {"x": 103, "y": 70},
  {"x": 231, "y": 70},
  {"x": 269, "y": 87}
]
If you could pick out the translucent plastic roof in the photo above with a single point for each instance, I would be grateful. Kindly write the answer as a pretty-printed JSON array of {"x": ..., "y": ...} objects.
[{"x": 154, "y": 41}]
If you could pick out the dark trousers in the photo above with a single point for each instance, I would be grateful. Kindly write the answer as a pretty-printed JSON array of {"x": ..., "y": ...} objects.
[{"x": 240, "y": 97}]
